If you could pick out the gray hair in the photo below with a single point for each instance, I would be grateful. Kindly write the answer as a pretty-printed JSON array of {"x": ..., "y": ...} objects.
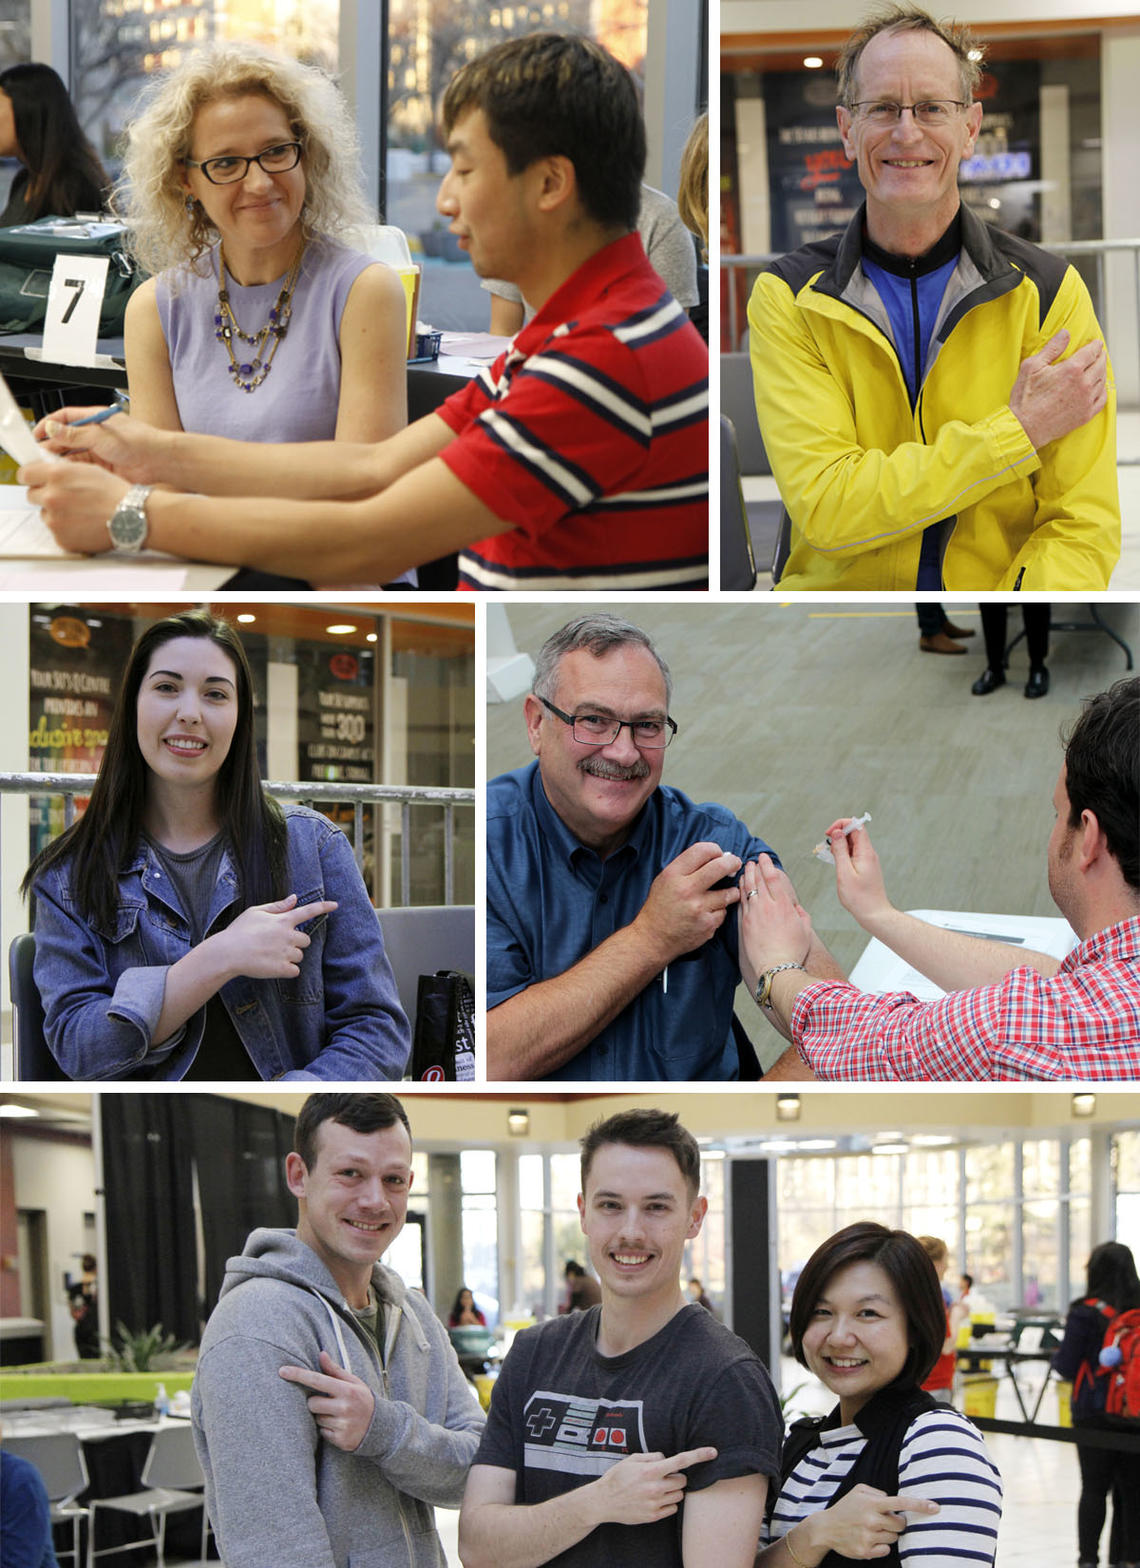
[
  {"x": 912, "y": 19},
  {"x": 150, "y": 199},
  {"x": 597, "y": 634}
]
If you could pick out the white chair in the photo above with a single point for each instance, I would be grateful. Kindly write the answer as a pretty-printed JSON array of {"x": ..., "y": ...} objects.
[
  {"x": 58, "y": 1457},
  {"x": 171, "y": 1467},
  {"x": 383, "y": 240}
]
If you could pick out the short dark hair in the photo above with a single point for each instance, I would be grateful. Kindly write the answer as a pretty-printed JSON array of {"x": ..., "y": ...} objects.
[
  {"x": 573, "y": 1268},
  {"x": 555, "y": 94},
  {"x": 903, "y": 1258},
  {"x": 909, "y": 19},
  {"x": 360, "y": 1112},
  {"x": 1102, "y": 771},
  {"x": 646, "y": 1130}
]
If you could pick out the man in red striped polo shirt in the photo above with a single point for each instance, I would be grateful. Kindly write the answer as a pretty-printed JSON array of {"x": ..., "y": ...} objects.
[{"x": 579, "y": 460}]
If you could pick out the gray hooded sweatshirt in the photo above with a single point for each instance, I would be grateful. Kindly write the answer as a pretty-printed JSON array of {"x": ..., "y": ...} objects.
[{"x": 278, "y": 1495}]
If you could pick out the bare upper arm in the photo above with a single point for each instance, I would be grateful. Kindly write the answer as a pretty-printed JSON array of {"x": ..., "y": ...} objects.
[
  {"x": 149, "y": 375},
  {"x": 722, "y": 1523},
  {"x": 489, "y": 1484},
  {"x": 373, "y": 402}
]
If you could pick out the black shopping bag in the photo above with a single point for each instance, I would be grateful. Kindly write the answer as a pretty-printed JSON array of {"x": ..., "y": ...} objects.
[{"x": 444, "y": 1045}]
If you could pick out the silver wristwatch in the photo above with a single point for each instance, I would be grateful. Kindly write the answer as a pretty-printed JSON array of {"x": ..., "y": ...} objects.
[{"x": 127, "y": 524}]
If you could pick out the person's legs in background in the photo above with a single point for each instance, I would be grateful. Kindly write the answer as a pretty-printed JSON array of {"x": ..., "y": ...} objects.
[{"x": 993, "y": 631}]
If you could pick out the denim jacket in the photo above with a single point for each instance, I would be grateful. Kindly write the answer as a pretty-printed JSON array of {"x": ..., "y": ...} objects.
[{"x": 103, "y": 988}]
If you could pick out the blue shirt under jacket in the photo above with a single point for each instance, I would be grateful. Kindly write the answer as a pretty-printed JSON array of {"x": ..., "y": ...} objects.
[{"x": 551, "y": 900}]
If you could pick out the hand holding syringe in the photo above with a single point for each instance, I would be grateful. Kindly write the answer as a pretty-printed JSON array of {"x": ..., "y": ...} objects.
[{"x": 822, "y": 850}]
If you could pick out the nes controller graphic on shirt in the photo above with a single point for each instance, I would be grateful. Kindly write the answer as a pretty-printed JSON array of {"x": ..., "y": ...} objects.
[{"x": 581, "y": 1436}]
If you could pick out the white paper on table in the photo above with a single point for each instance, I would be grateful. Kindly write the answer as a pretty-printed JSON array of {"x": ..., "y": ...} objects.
[
  {"x": 24, "y": 533},
  {"x": 16, "y": 434},
  {"x": 482, "y": 347}
]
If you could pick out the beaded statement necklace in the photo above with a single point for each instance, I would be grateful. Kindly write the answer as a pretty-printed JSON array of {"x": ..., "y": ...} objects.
[{"x": 250, "y": 373}]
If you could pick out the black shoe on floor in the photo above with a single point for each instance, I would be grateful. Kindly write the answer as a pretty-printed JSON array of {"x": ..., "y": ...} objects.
[
  {"x": 989, "y": 680},
  {"x": 1038, "y": 683}
]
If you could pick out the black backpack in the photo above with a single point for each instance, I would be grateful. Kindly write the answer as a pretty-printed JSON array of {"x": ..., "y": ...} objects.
[{"x": 884, "y": 1421}]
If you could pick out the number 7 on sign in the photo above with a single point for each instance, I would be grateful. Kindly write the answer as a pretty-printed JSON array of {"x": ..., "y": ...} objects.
[
  {"x": 75, "y": 299},
  {"x": 78, "y": 284}
]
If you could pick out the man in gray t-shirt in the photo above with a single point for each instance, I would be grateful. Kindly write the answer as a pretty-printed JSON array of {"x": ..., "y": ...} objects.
[{"x": 642, "y": 1414}]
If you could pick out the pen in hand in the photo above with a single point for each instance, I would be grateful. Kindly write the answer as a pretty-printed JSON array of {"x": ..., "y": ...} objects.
[{"x": 118, "y": 407}]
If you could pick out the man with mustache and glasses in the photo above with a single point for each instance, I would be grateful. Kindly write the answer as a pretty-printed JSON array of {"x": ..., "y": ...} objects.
[
  {"x": 330, "y": 1413},
  {"x": 933, "y": 392},
  {"x": 609, "y": 954}
]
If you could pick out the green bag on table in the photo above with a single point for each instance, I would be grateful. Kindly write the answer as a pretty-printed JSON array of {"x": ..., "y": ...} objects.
[{"x": 27, "y": 256}]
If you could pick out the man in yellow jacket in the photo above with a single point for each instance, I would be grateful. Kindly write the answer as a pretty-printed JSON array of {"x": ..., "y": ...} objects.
[{"x": 933, "y": 393}]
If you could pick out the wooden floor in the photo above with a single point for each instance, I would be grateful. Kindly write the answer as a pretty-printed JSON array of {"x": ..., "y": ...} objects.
[{"x": 792, "y": 714}]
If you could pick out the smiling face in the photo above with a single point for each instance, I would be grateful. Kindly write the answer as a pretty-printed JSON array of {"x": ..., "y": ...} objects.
[
  {"x": 186, "y": 712},
  {"x": 857, "y": 1339},
  {"x": 354, "y": 1200},
  {"x": 909, "y": 171},
  {"x": 487, "y": 205},
  {"x": 599, "y": 790},
  {"x": 262, "y": 210},
  {"x": 637, "y": 1213}
]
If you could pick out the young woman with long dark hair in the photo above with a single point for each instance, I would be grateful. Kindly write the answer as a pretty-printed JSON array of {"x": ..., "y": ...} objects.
[
  {"x": 62, "y": 174},
  {"x": 187, "y": 926}
]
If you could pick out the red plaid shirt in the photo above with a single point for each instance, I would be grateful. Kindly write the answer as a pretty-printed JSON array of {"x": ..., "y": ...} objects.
[{"x": 1084, "y": 1022}]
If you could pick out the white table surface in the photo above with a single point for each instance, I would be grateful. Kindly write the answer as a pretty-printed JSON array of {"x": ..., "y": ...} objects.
[
  {"x": 102, "y": 573},
  {"x": 880, "y": 970}
]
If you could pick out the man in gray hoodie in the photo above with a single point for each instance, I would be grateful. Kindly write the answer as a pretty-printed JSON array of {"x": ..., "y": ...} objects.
[{"x": 348, "y": 1474}]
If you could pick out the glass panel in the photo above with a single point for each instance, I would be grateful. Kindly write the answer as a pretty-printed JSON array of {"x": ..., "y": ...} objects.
[
  {"x": 804, "y": 1182},
  {"x": 989, "y": 1171},
  {"x": 481, "y": 1250},
  {"x": 117, "y": 44},
  {"x": 431, "y": 742},
  {"x": 1080, "y": 1165},
  {"x": 565, "y": 1181},
  {"x": 420, "y": 1167},
  {"x": 704, "y": 1255},
  {"x": 1127, "y": 1145},
  {"x": 477, "y": 1170},
  {"x": 428, "y": 41},
  {"x": 1041, "y": 1287},
  {"x": 1080, "y": 1245},
  {"x": 1041, "y": 1168},
  {"x": 531, "y": 1233},
  {"x": 530, "y": 1181},
  {"x": 989, "y": 1251}
]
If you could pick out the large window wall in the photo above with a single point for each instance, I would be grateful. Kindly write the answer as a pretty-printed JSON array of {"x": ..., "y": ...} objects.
[
  {"x": 1015, "y": 1213},
  {"x": 392, "y": 59}
]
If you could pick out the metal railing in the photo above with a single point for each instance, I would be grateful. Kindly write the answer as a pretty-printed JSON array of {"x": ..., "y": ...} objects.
[
  {"x": 69, "y": 785},
  {"x": 1076, "y": 250}
]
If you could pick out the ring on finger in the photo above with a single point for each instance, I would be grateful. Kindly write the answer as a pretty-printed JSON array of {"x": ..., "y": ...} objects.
[{"x": 752, "y": 894}]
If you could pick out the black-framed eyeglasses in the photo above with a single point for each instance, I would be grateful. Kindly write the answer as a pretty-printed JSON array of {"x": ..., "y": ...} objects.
[
  {"x": 231, "y": 167},
  {"x": 602, "y": 729},
  {"x": 929, "y": 112}
]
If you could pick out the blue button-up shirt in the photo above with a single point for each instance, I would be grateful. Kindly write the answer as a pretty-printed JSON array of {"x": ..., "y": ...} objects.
[{"x": 551, "y": 900}]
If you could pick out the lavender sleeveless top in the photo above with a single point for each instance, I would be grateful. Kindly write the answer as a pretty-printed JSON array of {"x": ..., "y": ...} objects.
[{"x": 298, "y": 399}]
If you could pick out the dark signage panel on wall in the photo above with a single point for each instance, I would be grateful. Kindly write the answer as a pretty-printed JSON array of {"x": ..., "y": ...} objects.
[
  {"x": 814, "y": 190},
  {"x": 335, "y": 713},
  {"x": 76, "y": 663}
]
